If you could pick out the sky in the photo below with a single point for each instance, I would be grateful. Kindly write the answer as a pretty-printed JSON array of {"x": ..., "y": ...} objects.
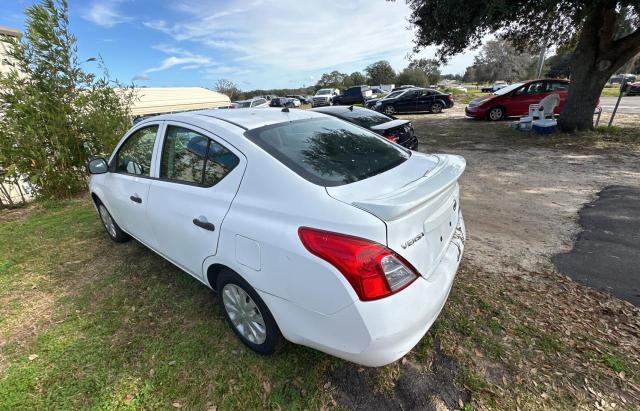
[{"x": 255, "y": 43}]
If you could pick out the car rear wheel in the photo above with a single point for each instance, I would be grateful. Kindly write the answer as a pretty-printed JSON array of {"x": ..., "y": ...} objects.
[
  {"x": 247, "y": 315},
  {"x": 389, "y": 110},
  {"x": 436, "y": 108},
  {"x": 112, "y": 228},
  {"x": 495, "y": 114}
]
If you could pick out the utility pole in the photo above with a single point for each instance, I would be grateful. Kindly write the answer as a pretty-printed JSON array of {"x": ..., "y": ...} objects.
[{"x": 543, "y": 51}]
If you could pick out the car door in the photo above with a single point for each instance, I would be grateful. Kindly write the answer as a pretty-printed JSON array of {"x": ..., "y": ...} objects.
[
  {"x": 128, "y": 181},
  {"x": 198, "y": 177},
  {"x": 520, "y": 99},
  {"x": 425, "y": 99},
  {"x": 407, "y": 102}
]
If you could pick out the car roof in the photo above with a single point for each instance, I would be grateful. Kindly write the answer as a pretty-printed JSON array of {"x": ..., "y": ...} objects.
[
  {"x": 336, "y": 110},
  {"x": 246, "y": 119}
]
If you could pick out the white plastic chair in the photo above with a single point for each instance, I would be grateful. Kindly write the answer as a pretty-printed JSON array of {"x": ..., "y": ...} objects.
[{"x": 545, "y": 107}]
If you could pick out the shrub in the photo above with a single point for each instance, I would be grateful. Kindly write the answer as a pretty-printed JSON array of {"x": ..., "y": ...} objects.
[{"x": 53, "y": 114}]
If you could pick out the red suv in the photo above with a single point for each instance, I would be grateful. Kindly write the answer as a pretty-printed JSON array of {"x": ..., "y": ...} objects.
[{"x": 514, "y": 100}]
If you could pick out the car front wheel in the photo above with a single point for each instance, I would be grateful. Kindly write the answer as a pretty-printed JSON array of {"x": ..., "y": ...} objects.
[
  {"x": 495, "y": 114},
  {"x": 247, "y": 315},
  {"x": 112, "y": 228},
  {"x": 389, "y": 110}
]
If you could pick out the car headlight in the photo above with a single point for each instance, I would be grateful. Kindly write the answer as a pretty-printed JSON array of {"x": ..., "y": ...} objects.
[{"x": 378, "y": 103}]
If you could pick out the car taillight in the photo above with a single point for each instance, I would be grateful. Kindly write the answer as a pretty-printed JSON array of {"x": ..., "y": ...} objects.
[
  {"x": 391, "y": 136},
  {"x": 373, "y": 270},
  {"x": 450, "y": 97}
]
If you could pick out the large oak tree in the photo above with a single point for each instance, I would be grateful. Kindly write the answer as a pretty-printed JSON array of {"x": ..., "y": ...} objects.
[{"x": 601, "y": 47}]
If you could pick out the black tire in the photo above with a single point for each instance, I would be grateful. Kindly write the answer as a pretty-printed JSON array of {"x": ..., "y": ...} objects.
[
  {"x": 113, "y": 231},
  {"x": 389, "y": 110},
  {"x": 495, "y": 114},
  {"x": 436, "y": 107},
  {"x": 273, "y": 340}
]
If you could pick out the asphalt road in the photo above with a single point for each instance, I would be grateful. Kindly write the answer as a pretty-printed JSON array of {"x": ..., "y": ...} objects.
[
  {"x": 606, "y": 254},
  {"x": 628, "y": 104}
]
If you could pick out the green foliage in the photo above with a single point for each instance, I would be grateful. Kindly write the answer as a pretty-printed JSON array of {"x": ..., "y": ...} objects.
[
  {"x": 380, "y": 72},
  {"x": 499, "y": 60},
  {"x": 56, "y": 115},
  {"x": 335, "y": 79},
  {"x": 430, "y": 67},
  {"x": 413, "y": 76}
]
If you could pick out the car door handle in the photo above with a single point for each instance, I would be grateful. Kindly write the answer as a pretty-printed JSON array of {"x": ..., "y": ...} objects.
[
  {"x": 135, "y": 199},
  {"x": 204, "y": 224}
]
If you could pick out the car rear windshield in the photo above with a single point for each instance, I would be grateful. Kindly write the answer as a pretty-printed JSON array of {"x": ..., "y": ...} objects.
[
  {"x": 328, "y": 152},
  {"x": 365, "y": 118}
]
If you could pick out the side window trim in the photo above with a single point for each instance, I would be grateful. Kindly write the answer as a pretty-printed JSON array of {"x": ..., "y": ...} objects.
[
  {"x": 132, "y": 131},
  {"x": 211, "y": 137}
]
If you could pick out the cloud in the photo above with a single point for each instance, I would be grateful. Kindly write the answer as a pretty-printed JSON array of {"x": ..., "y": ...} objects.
[
  {"x": 104, "y": 13},
  {"x": 141, "y": 77},
  {"x": 275, "y": 41},
  {"x": 181, "y": 57}
]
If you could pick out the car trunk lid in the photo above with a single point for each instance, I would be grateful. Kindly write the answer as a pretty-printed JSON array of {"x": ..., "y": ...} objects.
[{"x": 419, "y": 203}]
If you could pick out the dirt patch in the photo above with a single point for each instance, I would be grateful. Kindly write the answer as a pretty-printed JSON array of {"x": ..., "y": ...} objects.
[{"x": 411, "y": 386}]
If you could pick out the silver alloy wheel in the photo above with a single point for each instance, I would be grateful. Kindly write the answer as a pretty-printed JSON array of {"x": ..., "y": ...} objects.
[
  {"x": 495, "y": 113},
  {"x": 107, "y": 221},
  {"x": 436, "y": 108},
  {"x": 389, "y": 110},
  {"x": 244, "y": 313}
]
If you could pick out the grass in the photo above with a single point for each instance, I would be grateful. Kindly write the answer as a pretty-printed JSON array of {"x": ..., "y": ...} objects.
[
  {"x": 89, "y": 324},
  {"x": 124, "y": 329}
]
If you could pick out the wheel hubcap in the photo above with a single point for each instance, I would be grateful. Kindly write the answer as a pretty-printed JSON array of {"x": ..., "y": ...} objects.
[
  {"x": 496, "y": 114},
  {"x": 389, "y": 110},
  {"x": 244, "y": 314},
  {"x": 107, "y": 221},
  {"x": 436, "y": 108}
]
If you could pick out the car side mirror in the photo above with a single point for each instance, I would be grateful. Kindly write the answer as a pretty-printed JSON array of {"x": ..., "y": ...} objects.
[{"x": 97, "y": 165}]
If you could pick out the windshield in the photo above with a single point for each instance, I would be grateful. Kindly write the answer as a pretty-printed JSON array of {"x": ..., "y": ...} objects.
[
  {"x": 365, "y": 118},
  {"x": 323, "y": 92},
  {"x": 507, "y": 89},
  {"x": 243, "y": 104},
  {"x": 395, "y": 94},
  {"x": 327, "y": 151}
]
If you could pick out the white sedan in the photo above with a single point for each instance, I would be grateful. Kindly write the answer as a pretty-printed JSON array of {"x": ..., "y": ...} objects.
[{"x": 309, "y": 228}]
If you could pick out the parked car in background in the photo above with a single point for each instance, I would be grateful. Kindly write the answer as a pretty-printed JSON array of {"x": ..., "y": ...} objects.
[
  {"x": 634, "y": 89},
  {"x": 514, "y": 100},
  {"x": 308, "y": 228},
  {"x": 301, "y": 99},
  {"x": 353, "y": 95},
  {"x": 324, "y": 97},
  {"x": 250, "y": 103},
  {"x": 398, "y": 131},
  {"x": 494, "y": 87},
  {"x": 282, "y": 102},
  {"x": 403, "y": 87},
  {"x": 414, "y": 100},
  {"x": 620, "y": 78},
  {"x": 268, "y": 97}
]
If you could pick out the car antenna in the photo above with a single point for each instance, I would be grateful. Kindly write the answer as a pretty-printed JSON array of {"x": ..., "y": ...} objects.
[{"x": 351, "y": 107}]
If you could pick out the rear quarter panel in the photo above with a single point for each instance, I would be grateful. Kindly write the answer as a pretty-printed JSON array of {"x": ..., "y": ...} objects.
[{"x": 272, "y": 203}]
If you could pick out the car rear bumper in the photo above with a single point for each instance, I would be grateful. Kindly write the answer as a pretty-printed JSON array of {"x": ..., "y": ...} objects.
[{"x": 374, "y": 333}]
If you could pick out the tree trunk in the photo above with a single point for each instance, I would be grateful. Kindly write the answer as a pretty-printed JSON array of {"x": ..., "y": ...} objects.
[{"x": 596, "y": 57}]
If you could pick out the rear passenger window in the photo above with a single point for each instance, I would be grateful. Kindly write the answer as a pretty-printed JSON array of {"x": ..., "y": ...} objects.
[
  {"x": 189, "y": 157},
  {"x": 557, "y": 86}
]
